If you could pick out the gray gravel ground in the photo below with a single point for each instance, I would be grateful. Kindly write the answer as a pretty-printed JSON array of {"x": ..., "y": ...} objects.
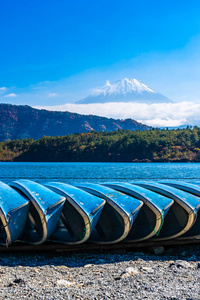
[{"x": 116, "y": 274}]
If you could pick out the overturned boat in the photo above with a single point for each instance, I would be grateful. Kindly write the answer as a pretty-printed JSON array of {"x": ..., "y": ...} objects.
[
  {"x": 118, "y": 215},
  {"x": 194, "y": 200},
  {"x": 182, "y": 215},
  {"x": 99, "y": 213},
  {"x": 13, "y": 214},
  {"x": 80, "y": 214},
  {"x": 44, "y": 211},
  {"x": 151, "y": 216}
]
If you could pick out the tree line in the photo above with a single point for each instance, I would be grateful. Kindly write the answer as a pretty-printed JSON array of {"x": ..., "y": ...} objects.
[{"x": 118, "y": 146}]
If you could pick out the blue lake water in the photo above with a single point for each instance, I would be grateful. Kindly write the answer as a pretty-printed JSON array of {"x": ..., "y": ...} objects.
[{"x": 99, "y": 172}]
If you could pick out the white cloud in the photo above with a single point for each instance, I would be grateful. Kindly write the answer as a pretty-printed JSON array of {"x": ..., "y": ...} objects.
[
  {"x": 156, "y": 115},
  {"x": 3, "y": 89},
  {"x": 11, "y": 95},
  {"x": 53, "y": 95}
]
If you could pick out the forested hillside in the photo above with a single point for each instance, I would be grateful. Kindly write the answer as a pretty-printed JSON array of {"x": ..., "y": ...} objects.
[
  {"x": 23, "y": 121},
  {"x": 119, "y": 146}
]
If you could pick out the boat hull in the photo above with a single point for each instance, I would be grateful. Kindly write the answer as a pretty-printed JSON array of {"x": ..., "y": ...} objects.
[
  {"x": 13, "y": 214},
  {"x": 151, "y": 216},
  {"x": 118, "y": 215},
  {"x": 182, "y": 215},
  {"x": 80, "y": 214},
  {"x": 44, "y": 211}
]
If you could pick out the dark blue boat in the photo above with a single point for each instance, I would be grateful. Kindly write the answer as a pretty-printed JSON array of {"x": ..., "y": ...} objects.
[
  {"x": 184, "y": 186},
  {"x": 44, "y": 211},
  {"x": 99, "y": 213},
  {"x": 13, "y": 214},
  {"x": 195, "y": 202},
  {"x": 80, "y": 214},
  {"x": 183, "y": 213},
  {"x": 117, "y": 217},
  {"x": 151, "y": 216}
]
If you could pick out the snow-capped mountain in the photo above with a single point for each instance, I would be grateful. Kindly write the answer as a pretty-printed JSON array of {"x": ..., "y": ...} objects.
[{"x": 125, "y": 90}]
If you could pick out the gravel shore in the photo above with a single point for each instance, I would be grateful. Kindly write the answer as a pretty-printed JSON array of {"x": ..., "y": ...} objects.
[{"x": 118, "y": 274}]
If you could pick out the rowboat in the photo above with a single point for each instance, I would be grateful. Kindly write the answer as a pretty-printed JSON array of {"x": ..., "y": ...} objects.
[
  {"x": 194, "y": 199},
  {"x": 13, "y": 214},
  {"x": 187, "y": 187},
  {"x": 80, "y": 214},
  {"x": 117, "y": 217},
  {"x": 98, "y": 213},
  {"x": 151, "y": 216},
  {"x": 44, "y": 211},
  {"x": 182, "y": 215}
]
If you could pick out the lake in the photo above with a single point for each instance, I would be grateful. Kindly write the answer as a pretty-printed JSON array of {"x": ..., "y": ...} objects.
[{"x": 98, "y": 172}]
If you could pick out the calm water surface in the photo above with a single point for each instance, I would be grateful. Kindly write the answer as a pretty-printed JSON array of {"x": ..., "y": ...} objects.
[{"x": 99, "y": 172}]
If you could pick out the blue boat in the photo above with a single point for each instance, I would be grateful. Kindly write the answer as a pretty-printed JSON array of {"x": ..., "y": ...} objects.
[
  {"x": 99, "y": 213},
  {"x": 183, "y": 213},
  {"x": 194, "y": 200},
  {"x": 13, "y": 214},
  {"x": 44, "y": 211},
  {"x": 117, "y": 217},
  {"x": 151, "y": 216},
  {"x": 80, "y": 214},
  {"x": 187, "y": 187}
]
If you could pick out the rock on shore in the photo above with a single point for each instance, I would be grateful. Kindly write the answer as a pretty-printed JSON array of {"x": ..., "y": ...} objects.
[{"x": 102, "y": 275}]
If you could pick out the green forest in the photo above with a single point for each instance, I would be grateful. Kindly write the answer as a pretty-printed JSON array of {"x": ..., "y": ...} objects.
[{"x": 155, "y": 145}]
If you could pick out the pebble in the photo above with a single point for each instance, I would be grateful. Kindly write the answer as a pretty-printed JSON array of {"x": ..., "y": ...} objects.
[
  {"x": 148, "y": 270},
  {"x": 101, "y": 275},
  {"x": 182, "y": 264},
  {"x": 88, "y": 266},
  {"x": 65, "y": 282},
  {"x": 158, "y": 250},
  {"x": 130, "y": 271}
]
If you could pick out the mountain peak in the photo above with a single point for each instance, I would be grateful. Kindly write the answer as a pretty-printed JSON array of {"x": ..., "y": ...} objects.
[
  {"x": 124, "y": 90},
  {"x": 126, "y": 85}
]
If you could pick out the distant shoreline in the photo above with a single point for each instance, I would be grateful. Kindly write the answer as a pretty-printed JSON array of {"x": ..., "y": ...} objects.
[
  {"x": 109, "y": 162},
  {"x": 181, "y": 145}
]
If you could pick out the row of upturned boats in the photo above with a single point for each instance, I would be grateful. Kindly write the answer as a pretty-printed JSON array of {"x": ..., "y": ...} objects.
[{"x": 99, "y": 213}]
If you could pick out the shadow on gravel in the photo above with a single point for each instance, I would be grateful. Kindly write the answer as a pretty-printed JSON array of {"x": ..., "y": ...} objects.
[{"x": 76, "y": 260}]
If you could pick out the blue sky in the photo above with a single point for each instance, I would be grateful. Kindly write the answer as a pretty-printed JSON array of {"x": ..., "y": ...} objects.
[{"x": 54, "y": 52}]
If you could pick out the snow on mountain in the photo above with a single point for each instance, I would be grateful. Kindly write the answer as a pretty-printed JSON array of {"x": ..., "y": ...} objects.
[{"x": 125, "y": 90}]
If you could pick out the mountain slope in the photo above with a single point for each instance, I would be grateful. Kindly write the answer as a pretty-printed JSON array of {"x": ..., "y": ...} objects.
[
  {"x": 22, "y": 121},
  {"x": 125, "y": 90}
]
